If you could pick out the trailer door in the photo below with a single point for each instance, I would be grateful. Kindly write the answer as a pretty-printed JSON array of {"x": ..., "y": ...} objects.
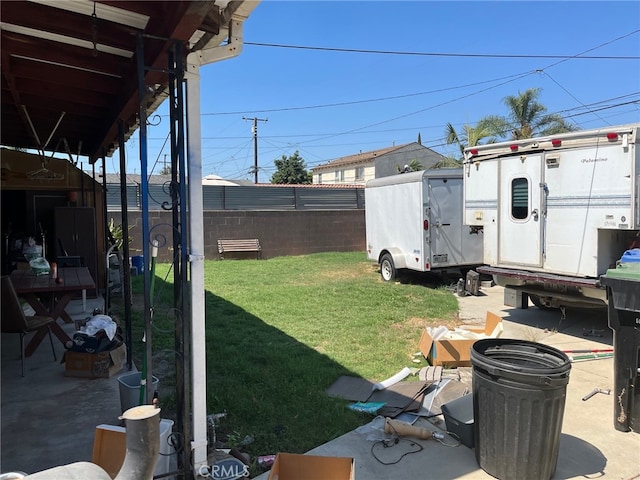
[
  {"x": 445, "y": 221},
  {"x": 521, "y": 217}
]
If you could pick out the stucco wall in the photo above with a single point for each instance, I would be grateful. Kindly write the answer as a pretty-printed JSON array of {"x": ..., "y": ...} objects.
[{"x": 280, "y": 232}]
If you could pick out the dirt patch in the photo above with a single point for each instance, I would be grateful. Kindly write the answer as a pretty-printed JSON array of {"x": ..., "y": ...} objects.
[{"x": 353, "y": 271}]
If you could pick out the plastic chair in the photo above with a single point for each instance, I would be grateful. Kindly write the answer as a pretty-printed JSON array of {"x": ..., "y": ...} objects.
[{"x": 14, "y": 320}]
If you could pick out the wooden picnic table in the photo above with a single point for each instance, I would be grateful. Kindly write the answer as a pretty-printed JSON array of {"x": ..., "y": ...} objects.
[{"x": 50, "y": 298}]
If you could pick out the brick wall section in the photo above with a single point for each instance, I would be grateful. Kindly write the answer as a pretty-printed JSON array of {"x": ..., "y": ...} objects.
[{"x": 280, "y": 232}]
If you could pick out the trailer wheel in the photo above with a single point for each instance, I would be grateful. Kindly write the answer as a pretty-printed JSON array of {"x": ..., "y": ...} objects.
[{"x": 387, "y": 268}]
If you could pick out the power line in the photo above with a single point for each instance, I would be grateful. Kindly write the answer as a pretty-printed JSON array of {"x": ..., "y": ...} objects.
[
  {"x": 509, "y": 79},
  {"x": 572, "y": 96},
  {"x": 447, "y": 54},
  {"x": 370, "y": 100},
  {"x": 564, "y": 113},
  {"x": 438, "y": 142},
  {"x": 580, "y": 55},
  {"x": 423, "y": 109}
]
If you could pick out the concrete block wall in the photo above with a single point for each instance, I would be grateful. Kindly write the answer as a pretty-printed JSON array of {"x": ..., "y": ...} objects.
[{"x": 280, "y": 233}]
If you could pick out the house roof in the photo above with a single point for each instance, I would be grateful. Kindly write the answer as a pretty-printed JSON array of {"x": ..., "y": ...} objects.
[
  {"x": 312, "y": 185},
  {"x": 69, "y": 68},
  {"x": 364, "y": 158},
  {"x": 217, "y": 180},
  {"x": 134, "y": 178},
  {"x": 358, "y": 158}
]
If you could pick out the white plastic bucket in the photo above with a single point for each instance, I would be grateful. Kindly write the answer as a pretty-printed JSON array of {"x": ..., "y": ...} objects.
[{"x": 129, "y": 385}]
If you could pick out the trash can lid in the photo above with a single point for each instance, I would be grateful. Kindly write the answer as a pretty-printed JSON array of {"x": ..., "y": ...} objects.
[
  {"x": 621, "y": 274},
  {"x": 632, "y": 255}
]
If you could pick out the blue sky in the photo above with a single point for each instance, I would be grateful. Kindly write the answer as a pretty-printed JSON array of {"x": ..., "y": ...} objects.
[{"x": 462, "y": 59}]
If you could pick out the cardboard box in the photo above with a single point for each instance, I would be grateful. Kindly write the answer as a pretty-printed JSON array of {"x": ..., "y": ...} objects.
[
  {"x": 454, "y": 349},
  {"x": 292, "y": 466},
  {"x": 95, "y": 365}
]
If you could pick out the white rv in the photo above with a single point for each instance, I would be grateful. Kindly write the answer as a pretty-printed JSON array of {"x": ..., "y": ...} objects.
[
  {"x": 414, "y": 221},
  {"x": 556, "y": 211}
]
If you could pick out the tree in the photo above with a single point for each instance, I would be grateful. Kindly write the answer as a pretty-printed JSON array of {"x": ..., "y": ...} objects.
[
  {"x": 413, "y": 166},
  {"x": 291, "y": 170},
  {"x": 446, "y": 162},
  {"x": 527, "y": 118},
  {"x": 470, "y": 136}
]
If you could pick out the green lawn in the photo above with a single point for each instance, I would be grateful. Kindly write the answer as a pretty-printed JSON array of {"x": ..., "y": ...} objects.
[{"x": 280, "y": 331}]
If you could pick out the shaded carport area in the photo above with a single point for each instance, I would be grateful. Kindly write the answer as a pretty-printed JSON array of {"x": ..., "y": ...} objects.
[{"x": 78, "y": 79}]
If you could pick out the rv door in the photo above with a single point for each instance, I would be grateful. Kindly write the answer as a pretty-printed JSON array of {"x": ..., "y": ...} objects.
[{"x": 521, "y": 217}]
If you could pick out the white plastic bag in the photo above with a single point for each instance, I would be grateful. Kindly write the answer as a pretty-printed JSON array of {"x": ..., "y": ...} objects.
[
  {"x": 40, "y": 266},
  {"x": 101, "y": 322}
]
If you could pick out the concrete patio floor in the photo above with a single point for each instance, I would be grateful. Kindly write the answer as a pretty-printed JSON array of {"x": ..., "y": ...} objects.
[
  {"x": 48, "y": 419},
  {"x": 590, "y": 447}
]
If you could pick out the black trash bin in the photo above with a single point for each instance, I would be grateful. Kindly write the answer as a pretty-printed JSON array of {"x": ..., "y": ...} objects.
[
  {"x": 519, "y": 391},
  {"x": 623, "y": 293}
]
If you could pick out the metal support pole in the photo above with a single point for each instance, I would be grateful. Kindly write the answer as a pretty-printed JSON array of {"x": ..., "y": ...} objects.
[
  {"x": 196, "y": 262},
  {"x": 144, "y": 202},
  {"x": 179, "y": 215},
  {"x": 106, "y": 229},
  {"x": 126, "y": 271}
]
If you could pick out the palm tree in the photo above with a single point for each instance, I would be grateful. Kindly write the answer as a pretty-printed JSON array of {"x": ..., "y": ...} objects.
[
  {"x": 446, "y": 162},
  {"x": 471, "y": 136},
  {"x": 413, "y": 166},
  {"x": 527, "y": 118}
]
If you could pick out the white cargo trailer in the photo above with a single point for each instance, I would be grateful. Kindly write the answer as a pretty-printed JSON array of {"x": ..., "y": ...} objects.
[
  {"x": 414, "y": 221},
  {"x": 556, "y": 211}
]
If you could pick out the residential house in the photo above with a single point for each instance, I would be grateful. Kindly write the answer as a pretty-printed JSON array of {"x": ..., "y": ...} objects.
[{"x": 364, "y": 166}]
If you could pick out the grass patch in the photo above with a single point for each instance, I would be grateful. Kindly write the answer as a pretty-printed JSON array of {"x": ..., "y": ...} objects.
[{"x": 280, "y": 331}]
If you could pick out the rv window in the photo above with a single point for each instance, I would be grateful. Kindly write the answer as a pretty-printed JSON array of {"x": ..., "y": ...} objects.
[{"x": 519, "y": 198}]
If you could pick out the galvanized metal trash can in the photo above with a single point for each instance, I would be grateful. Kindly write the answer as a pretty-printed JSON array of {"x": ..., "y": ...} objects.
[{"x": 519, "y": 391}]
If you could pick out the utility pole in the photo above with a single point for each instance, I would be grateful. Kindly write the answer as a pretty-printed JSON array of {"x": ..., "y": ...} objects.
[{"x": 254, "y": 129}]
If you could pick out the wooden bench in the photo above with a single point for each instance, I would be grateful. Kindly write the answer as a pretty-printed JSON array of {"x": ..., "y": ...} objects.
[{"x": 241, "y": 245}]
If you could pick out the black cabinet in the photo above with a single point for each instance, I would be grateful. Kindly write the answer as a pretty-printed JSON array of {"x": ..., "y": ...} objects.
[{"x": 76, "y": 235}]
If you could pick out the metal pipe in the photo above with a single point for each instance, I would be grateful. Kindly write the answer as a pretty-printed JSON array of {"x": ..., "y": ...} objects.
[
  {"x": 196, "y": 234},
  {"x": 144, "y": 206},
  {"x": 126, "y": 271},
  {"x": 196, "y": 261},
  {"x": 141, "y": 455},
  {"x": 143, "y": 443},
  {"x": 180, "y": 232}
]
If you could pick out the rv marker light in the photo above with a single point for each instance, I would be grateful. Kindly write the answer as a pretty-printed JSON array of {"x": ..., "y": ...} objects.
[
  {"x": 612, "y": 137},
  {"x": 514, "y": 148},
  {"x": 473, "y": 151},
  {"x": 556, "y": 142},
  {"x": 426, "y": 225}
]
